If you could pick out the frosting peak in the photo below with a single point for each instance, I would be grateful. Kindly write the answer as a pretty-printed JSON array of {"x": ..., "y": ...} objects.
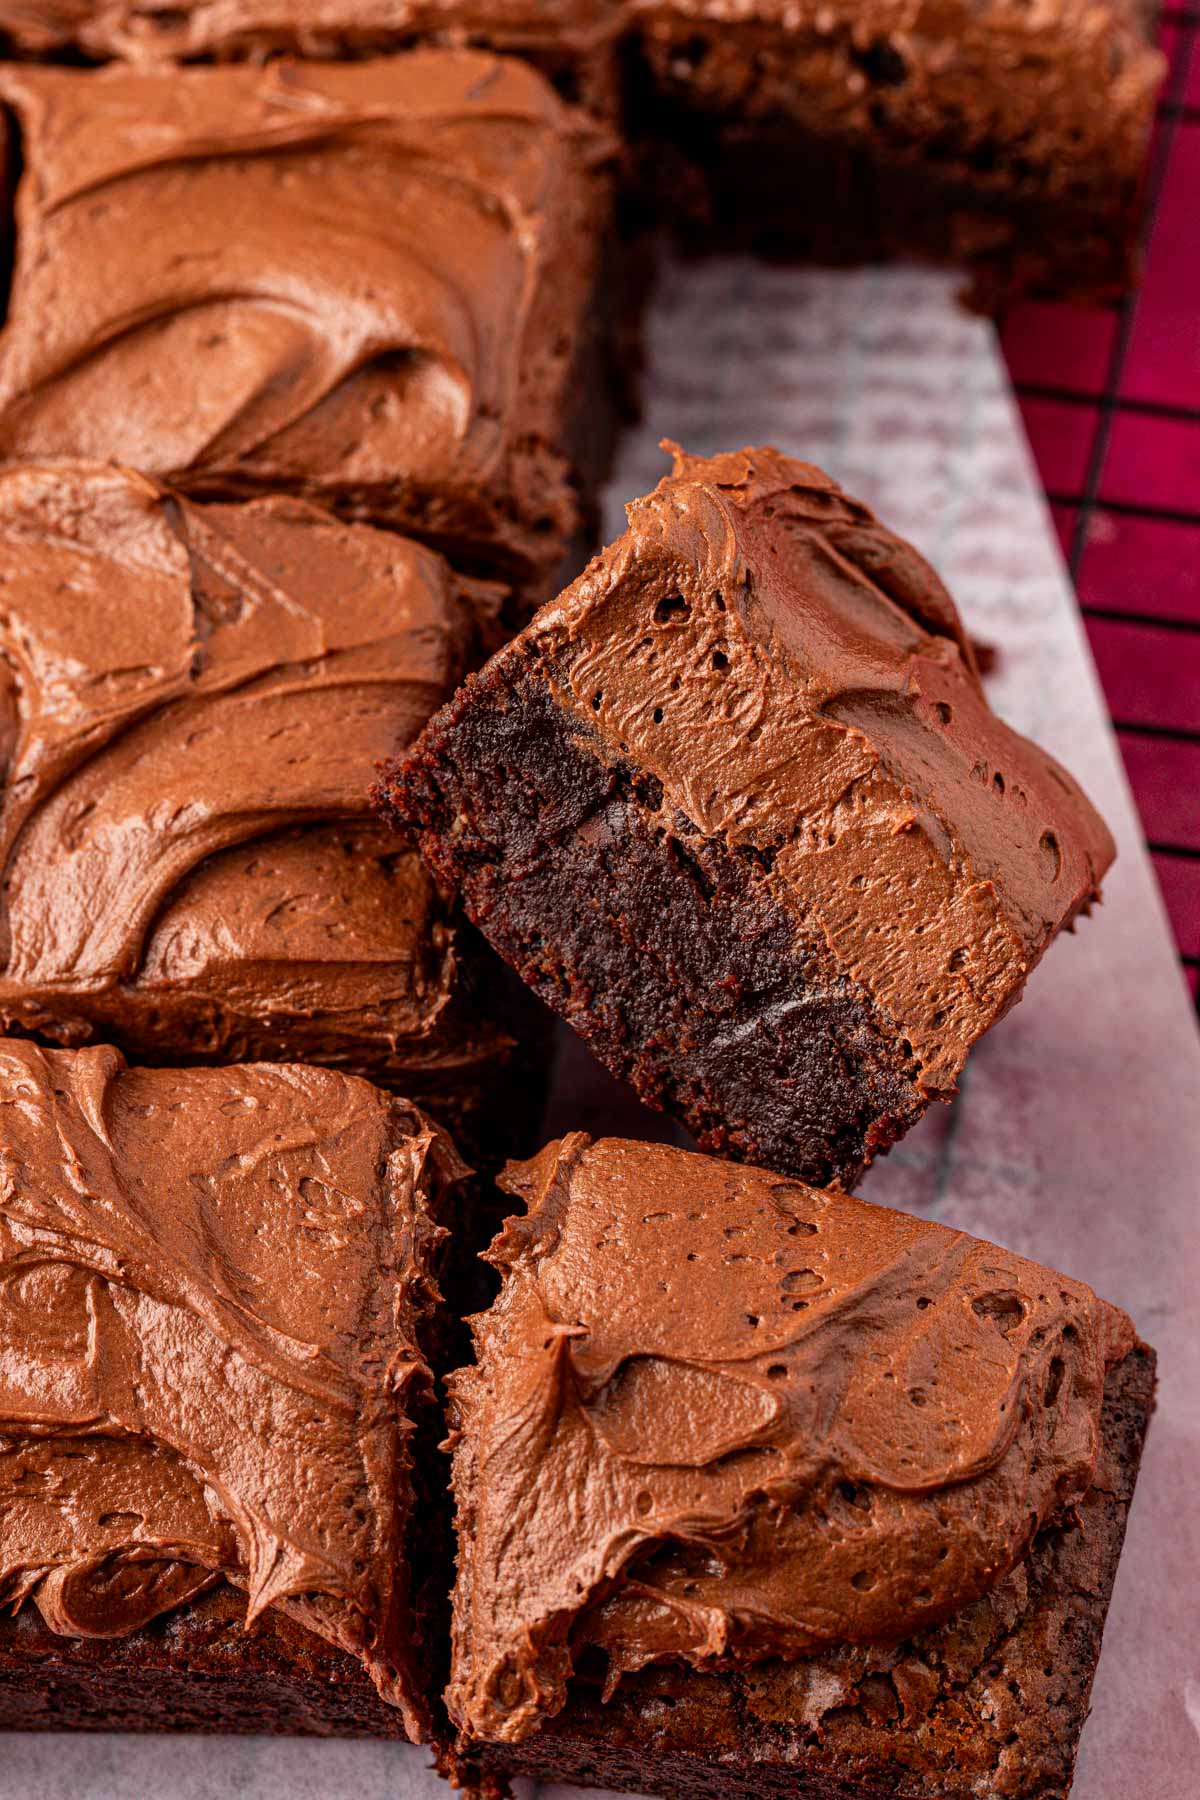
[{"x": 718, "y": 1416}]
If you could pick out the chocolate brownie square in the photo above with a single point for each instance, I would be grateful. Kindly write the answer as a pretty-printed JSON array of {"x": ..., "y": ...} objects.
[
  {"x": 367, "y": 283},
  {"x": 737, "y": 806},
  {"x": 1009, "y": 140},
  {"x": 573, "y": 41},
  {"x": 192, "y": 699},
  {"x": 764, "y": 1490},
  {"x": 217, "y": 1312}
]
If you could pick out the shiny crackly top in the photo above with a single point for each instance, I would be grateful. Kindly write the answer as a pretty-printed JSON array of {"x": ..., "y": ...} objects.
[
  {"x": 181, "y": 28},
  {"x": 322, "y": 277},
  {"x": 211, "y": 1287},
  {"x": 720, "y": 1416},
  {"x": 192, "y": 699},
  {"x": 798, "y": 680}
]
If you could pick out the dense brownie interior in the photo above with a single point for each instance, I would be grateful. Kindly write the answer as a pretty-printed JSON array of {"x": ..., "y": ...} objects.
[
  {"x": 663, "y": 944},
  {"x": 737, "y": 806}
]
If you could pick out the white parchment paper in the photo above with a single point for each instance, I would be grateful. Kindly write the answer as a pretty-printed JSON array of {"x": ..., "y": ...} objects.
[{"x": 1076, "y": 1137}]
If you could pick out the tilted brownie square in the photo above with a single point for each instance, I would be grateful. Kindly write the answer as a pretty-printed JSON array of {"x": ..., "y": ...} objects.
[
  {"x": 192, "y": 699},
  {"x": 573, "y": 41},
  {"x": 368, "y": 283},
  {"x": 765, "y": 1490},
  {"x": 1013, "y": 142},
  {"x": 737, "y": 806},
  {"x": 218, "y": 1305}
]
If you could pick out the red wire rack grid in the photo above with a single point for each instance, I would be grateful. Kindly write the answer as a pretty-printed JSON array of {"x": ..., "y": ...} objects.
[{"x": 1111, "y": 402}]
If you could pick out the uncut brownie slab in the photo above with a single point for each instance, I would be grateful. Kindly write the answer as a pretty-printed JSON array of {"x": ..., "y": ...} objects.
[
  {"x": 217, "y": 1310},
  {"x": 367, "y": 283},
  {"x": 572, "y": 41},
  {"x": 736, "y": 805},
  {"x": 193, "y": 697},
  {"x": 1009, "y": 139},
  {"x": 764, "y": 1490}
]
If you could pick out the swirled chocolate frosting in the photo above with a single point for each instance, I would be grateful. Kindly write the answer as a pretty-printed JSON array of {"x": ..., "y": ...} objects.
[
  {"x": 213, "y": 1285},
  {"x": 192, "y": 699},
  {"x": 721, "y": 1417},
  {"x": 141, "y": 30},
  {"x": 798, "y": 680},
  {"x": 323, "y": 278}
]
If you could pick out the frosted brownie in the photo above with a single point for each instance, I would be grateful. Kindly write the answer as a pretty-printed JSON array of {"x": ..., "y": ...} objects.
[
  {"x": 217, "y": 1303},
  {"x": 1011, "y": 140},
  {"x": 192, "y": 700},
  {"x": 372, "y": 284},
  {"x": 737, "y": 806},
  {"x": 764, "y": 1490}
]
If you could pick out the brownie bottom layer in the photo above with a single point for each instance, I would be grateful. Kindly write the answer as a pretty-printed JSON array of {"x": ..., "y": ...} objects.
[
  {"x": 663, "y": 949},
  {"x": 192, "y": 1670},
  {"x": 992, "y": 1702}
]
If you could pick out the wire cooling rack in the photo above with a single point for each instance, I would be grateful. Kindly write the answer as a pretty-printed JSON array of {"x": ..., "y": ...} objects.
[{"x": 1111, "y": 402}]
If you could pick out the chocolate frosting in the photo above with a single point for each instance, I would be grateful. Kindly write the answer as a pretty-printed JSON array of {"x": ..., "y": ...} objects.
[
  {"x": 721, "y": 1417},
  {"x": 212, "y": 1289},
  {"x": 798, "y": 680},
  {"x": 340, "y": 265},
  {"x": 149, "y": 29},
  {"x": 192, "y": 699}
]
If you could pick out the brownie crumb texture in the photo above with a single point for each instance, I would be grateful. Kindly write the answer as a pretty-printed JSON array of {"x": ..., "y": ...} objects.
[{"x": 737, "y": 806}]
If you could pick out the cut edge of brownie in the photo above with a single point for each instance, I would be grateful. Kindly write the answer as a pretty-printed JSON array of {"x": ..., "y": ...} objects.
[
  {"x": 564, "y": 863},
  {"x": 725, "y": 160},
  {"x": 1014, "y": 1720},
  {"x": 480, "y": 1069},
  {"x": 880, "y": 210},
  {"x": 194, "y": 1669}
]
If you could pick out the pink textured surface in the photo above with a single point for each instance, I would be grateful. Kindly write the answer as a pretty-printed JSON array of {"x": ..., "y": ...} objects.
[
  {"x": 1061, "y": 435},
  {"x": 1150, "y": 675},
  {"x": 1166, "y": 780},
  {"x": 1111, "y": 403},
  {"x": 1064, "y": 523},
  {"x": 1164, "y": 352},
  {"x": 1152, "y": 461},
  {"x": 1066, "y": 347},
  {"x": 1179, "y": 879},
  {"x": 1132, "y": 564}
]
